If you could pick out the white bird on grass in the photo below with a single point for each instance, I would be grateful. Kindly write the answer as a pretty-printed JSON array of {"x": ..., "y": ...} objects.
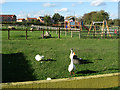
[
  {"x": 71, "y": 67},
  {"x": 38, "y": 57},
  {"x": 48, "y": 78}
]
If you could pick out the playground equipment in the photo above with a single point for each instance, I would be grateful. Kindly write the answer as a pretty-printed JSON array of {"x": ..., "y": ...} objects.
[
  {"x": 104, "y": 23},
  {"x": 102, "y": 26},
  {"x": 74, "y": 24}
]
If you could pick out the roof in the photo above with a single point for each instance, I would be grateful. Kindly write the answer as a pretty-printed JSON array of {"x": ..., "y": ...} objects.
[
  {"x": 21, "y": 19},
  {"x": 7, "y": 15}
]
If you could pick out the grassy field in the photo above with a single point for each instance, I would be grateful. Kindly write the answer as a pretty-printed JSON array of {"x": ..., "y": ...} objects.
[{"x": 19, "y": 62}]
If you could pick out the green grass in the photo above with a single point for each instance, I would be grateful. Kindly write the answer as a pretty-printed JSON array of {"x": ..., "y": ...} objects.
[{"x": 19, "y": 62}]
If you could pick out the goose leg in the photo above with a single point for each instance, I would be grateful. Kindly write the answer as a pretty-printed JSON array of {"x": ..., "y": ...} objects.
[{"x": 73, "y": 72}]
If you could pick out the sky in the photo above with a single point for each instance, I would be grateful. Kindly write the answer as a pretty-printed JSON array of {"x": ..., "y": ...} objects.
[{"x": 30, "y": 8}]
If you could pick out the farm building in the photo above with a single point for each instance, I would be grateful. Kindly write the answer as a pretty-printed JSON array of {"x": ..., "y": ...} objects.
[
  {"x": 7, "y": 18},
  {"x": 30, "y": 19},
  {"x": 21, "y": 20},
  {"x": 41, "y": 19}
]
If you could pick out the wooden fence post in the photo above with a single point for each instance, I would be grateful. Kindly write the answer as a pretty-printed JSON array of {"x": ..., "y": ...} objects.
[
  {"x": 26, "y": 34},
  {"x": 118, "y": 33},
  {"x": 59, "y": 33},
  {"x": 40, "y": 31},
  {"x": 8, "y": 34}
]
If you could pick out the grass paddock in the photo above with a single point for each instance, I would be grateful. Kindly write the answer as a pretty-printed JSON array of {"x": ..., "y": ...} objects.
[{"x": 19, "y": 64}]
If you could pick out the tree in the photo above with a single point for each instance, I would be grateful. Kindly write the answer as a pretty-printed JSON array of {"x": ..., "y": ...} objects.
[
  {"x": 87, "y": 18},
  {"x": 116, "y": 22},
  {"x": 57, "y": 18},
  {"x": 61, "y": 19},
  {"x": 110, "y": 22},
  {"x": 95, "y": 16},
  {"x": 47, "y": 20},
  {"x": 79, "y": 19}
]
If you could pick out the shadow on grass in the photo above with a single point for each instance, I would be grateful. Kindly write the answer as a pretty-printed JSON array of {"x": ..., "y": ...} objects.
[
  {"x": 46, "y": 37},
  {"x": 16, "y": 68},
  {"x": 48, "y": 60},
  {"x": 21, "y": 36},
  {"x": 81, "y": 61},
  {"x": 113, "y": 69},
  {"x": 86, "y": 72},
  {"x": 85, "y": 61}
]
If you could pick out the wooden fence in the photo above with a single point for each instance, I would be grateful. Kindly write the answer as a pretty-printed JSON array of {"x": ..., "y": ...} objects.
[{"x": 82, "y": 34}]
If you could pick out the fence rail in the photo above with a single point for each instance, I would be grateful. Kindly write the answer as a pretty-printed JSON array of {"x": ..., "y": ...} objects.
[{"x": 82, "y": 34}]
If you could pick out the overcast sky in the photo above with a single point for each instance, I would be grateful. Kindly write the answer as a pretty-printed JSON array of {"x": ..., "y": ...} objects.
[{"x": 39, "y": 8}]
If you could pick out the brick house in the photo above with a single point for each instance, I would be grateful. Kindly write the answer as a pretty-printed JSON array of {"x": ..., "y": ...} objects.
[{"x": 7, "y": 18}]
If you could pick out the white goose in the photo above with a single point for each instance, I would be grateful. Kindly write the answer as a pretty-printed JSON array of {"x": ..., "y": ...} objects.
[
  {"x": 38, "y": 57},
  {"x": 71, "y": 67}
]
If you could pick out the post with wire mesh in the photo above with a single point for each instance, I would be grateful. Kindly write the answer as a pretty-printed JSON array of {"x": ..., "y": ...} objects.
[
  {"x": 59, "y": 33},
  {"x": 118, "y": 33},
  {"x": 26, "y": 34}
]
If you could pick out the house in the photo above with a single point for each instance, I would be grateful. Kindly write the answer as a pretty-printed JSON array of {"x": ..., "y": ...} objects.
[
  {"x": 21, "y": 20},
  {"x": 30, "y": 19},
  {"x": 41, "y": 19},
  {"x": 7, "y": 18}
]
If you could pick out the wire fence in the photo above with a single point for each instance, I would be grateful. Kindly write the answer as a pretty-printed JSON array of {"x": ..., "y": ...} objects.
[{"x": 59, "y": 32}]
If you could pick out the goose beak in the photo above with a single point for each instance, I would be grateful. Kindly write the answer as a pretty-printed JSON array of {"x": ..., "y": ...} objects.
[{"x": 74, "y": 53}]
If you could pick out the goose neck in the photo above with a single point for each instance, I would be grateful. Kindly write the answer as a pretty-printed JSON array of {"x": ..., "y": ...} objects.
[{"x": 71, "y": 60}]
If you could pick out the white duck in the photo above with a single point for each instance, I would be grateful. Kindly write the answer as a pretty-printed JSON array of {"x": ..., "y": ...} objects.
[
  {"x": 38, "y": 57},
  {"x": 71, "y": 67}
]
